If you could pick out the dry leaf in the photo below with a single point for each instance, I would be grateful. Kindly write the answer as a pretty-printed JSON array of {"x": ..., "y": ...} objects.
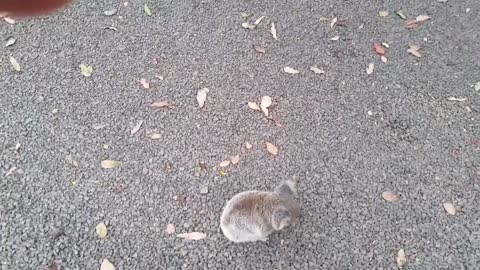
[
  {"x": 271, "y": 148},
  {"x": 378, "y": 48},
  {"x": 17, "y": 147},
  {"x": 401, "y": 258},
  {"x": 290, "y": 70},
  {"x": 253, "y": 106},
  {"x": 248, "y": 145},
  {"x": 111, "y": 28},
  {"x": 224, "y": 163},
  {"x": 273, "y": 30},
  {"x": 147, "y": 10},
  {"x": 15, "y": 64},
  {"x": 155, "y": 136},
  {"x": 266, "y": 102},
  {"x": 259, "y": 49},
  {"x": 245, "y": 15},
  {"x": 110, "y": 12},
  {"x": 259, "y": 20},
  {"x": 390, "y": 196},
  {"x": 170, "y": 229},
  {"x": 383, "y": 13},
  {"x": 110, "y": 164},
  {"x": 324, "y": 19},
  {"x": 333, "y": 22},
  {"x": 401, "y": 14},
  {"x": 162, "y": 104},
  {"x": 422, "y": 18},
  {"x": 386, "y": 45},
  {"x": 317, "y": 70},
  {"x": 136, "y": 128},
  {"x": 413, "y": 50},
  {"x": 370, "y": 68},
  {"x": 86, "y": 70},
  {"x": 192, "y": 236},
  {"x": 457, "y": 99},
  {"x": 248, "y": 25},
  {"x": 384, "y": 59},
  {"x": 11, "y": 171},
  {"x": 106, "y": 265},
  {"x": 10, "y": 42},
  {"x": 144, "y": 83},
  {"x": 335, "y": 38},
  {"x": 450, "y": 208},
  {"x": 235, "y": 159},
  {"x": 70, "y": 160},
  {"x": 202, "y": 96},
  {"x": 9, "y": 20},
  {"x": 101, "y": 230},
  {"x": 477, "y": 86}
]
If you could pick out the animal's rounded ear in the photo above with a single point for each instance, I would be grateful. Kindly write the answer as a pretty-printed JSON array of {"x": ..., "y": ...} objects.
[{"x": 280, "y": 218}]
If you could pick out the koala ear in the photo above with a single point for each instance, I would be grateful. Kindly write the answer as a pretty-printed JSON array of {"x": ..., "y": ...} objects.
[{"x": 280, "y": 218}]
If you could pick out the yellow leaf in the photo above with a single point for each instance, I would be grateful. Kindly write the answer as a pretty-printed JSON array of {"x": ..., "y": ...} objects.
[
  {"x": 86, "y": 70},
  {"x": 109, "y": 164},
  {"x": 192, "y": 235},
  {"x": 222, "y": 173},
  {"x": 253, "y": 106},
  {"x": 235, "y": 159},
  {"x": 390, "y": 196},
  {"x": 271, "y": 148},
  {"x": 101, "y": 230},
  {"x": 450, "y": 208},
  {"x": 106, "y": 265}
]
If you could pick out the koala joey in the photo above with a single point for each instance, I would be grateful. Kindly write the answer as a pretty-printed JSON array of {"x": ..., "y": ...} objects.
[{"x": 254, "y": 215}]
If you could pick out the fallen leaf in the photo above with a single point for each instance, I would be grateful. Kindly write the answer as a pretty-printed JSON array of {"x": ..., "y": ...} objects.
[
  {"x": 248, "y": 145},
  {"x": 245, "y": 15},
  {"x": 450, "y": 208},
  {"x": 247, "y": 25},
  {"x": 386, "y": 45},
  {"x": 111, "y": 28},
  {"x": 384, "y": 59},
  {"x": 259, "y": 20},
  {"x": 144, "y": 83},
  {"x": 70, "y": 160},
  {"x": 266, "y": 102},
  {"x": 110, "y": 164},
  {"x": 110, "y": 12},
  {"x": 333, "y": 22},
  {"x": 101, "y": 230},
  {"x": 192, "y": 235},
  {"x": 223, "y": 173},
  {"x": 147, "y": 10},
  {"x": 99, "y": 126},
  {"x": 170, "y": 229},
  {"x": 253, "y": 106},
  {"x": 17, "y": 147},
  {"x": 162, "y": 104},
  {"x": 136, "y": 128},
  {"x": 390, "y": 196},
  {"x": 11, "y": 171},
  {"x": 413, "y": 50},
  {"x": 401, "y": 14},
  {"x": 401, "y": 258},
  {"x": 235, "y": 159},
  {"x": 204, "y": 190},
  {"x": 383, "y": 13},
  {"x": 324, "y": 19},
  {"x": 411, "y": 24},
  {"x": 422, "y": 18},
  {"x": 378, "y": 48},
  {"x": 477, "y": 86},
  {"x": 259, "y": 49},
  {"x": 224, "y": 163},
  {"x": 290, "y": 70},
  {"x": 106, "y": 265},
  {"x": 335, "y": 38},
  {"x": 155, "y": 136},
  {"x": 86, "y": 70},
  {"x": 317, "y": 70},
  {"x": 273, "y": 30},
  {"x": 74, "y": 183},
  {"x": 10, "y": 42},
  {"x": 15, "y": 64},
  {"x": 271, "y": 148},
  {"x": 457, "y": 99},
  {"x": 9, "y": 20},
  {"x": 202, "y": 96},
  {"x": 370, "y": 68}
]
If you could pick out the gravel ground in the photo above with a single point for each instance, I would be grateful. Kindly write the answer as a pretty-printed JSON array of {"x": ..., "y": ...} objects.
[{"x": 347, "y": 136}]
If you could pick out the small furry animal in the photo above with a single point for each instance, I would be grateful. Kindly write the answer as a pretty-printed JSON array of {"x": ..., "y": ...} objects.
[{"x": 254, "y": 215}]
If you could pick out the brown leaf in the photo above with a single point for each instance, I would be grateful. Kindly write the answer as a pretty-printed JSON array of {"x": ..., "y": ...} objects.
[
  {"x": 144, "y": 83},
  {"x": 15, "y": 64},
  {"x": 253, "y": 106},
  {"x": 192, "y": 236},
  {"x": 266, "y": 102},
  {"x": 248, "y": 145},
  {"x": 401, "y": 258},
  {"x": 202, "y": 96},
  {"x": 162, "y": 104},
  {"x": 136, "y": 128},
  {"x": 106, "y": 265},
  {"x": 390, "y": 196},
  {"x": 317, "y": 70},
  {"x": 259, "y": 49},
  {"x": 450, "y": 208},
  {"x": 235, "y": 159},
  {"x": 411, "y": 24},
  {"x": 378, "y": 48},
  {"x": 413, "y": 50},
  {"x": 170, "y": 229},
  {"x": 370, "y": 68},
  {"x": 422, "y": 18},
  {"x": 273, "y": 30},
  {"x": 271, "y": 148},
  {"x": 224, "y": 163}
]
